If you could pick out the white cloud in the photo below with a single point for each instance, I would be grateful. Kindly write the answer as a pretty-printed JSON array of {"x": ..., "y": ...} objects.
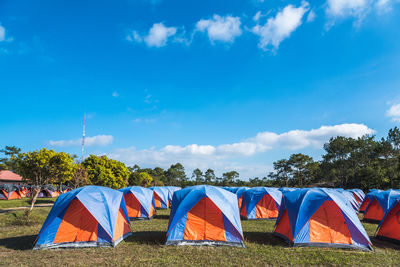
[
  {"x": 159, "y": 34},
  {"x": 341, "y": 8},
  {"x": 134, "y": 36},
  {"x": 2, "y": 33},
  {"x": 257, "y": 16},
  {"x": 115, "y": 94},
  {"x": 220, "y": 157},
  {"x": 157, "y": 37},
  {"x": 223, "y": 29},
  {"x": 98, "y": 140},
  {"x": 394, "y": 112},
  {"x": 280, "y": 27},
  {"x": 337, "y": 9},
  {"x": 311, "y": 16}
]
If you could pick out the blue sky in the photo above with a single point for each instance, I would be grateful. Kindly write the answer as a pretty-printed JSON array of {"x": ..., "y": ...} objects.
[{"x": 228, "y": 86}]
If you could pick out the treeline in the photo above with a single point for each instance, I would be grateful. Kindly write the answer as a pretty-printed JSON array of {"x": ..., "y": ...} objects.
[{"x": 363, "y": 163}]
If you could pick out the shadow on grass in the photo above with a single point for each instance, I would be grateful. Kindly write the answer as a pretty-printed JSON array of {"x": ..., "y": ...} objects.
[
  {"x": 19, "y": 242},
  {"x": 264, "y": 239},
  {"x": 148, "y": 237},
  {"x": 384, "y": 244},
  {"x": 162, "y": 217}
]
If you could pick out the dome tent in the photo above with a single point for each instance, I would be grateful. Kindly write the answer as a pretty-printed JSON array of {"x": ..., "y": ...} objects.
[
  {"x": 171, "y": 190},
  {"x": 379, "y": 205},
  {"x": 161, "y": 197},
  {"x": 204, "y": 215},
  {"x": 389, "y": 228},
  {"x": 320, "y": 217},
  {"x": 370, "y": 195},
  {"x": 139, "y": 202},
  {"x": 90, "y": 216},
  {"x": 8, "y": 191},
  {"x": 261, "y": 203}
]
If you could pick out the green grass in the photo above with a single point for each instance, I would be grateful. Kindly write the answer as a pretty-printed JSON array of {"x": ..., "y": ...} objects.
[
  {"x": 24, "y": 202},
  {"x": 145, "y": 247}
]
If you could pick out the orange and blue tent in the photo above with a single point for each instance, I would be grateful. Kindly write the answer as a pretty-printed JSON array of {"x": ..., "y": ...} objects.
[
  {"x": 358, "y": 195},
  {"x": 161, "y": 197},
  {"x": 320, "y": 217},
  {"x": 171, "y": 190},
  {"x": 380, "y": 203},
  {"x": 90, "y": 216},
  {"x": 139, "y": 202},
  {"x": 370, "y": 195},
  {"x": 261, "y": 203},
  {"x": 389, "y": 228},
  {"x": 204, "y": 215},
  {"x": 8, "y": 192}
]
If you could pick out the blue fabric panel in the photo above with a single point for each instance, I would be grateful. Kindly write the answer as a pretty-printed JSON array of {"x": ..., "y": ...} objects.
[
  {"x": 102, "y": 235},
  {"x": 359, "y": 239},
  {"x": 178, "y": 231},
  {"x": 231, "y": 234},
  {"x": 122, "y": 206},
  {"x": 143, "y": 213},
  {"x": 304, "y": 234}
]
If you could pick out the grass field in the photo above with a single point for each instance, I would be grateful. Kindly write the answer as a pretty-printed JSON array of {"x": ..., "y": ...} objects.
[
  {"x": 25, "y": 202},
  {"x": 145, "y": 247}
]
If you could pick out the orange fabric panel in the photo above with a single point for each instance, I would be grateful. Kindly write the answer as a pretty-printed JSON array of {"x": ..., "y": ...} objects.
[
  {"x": 13, "y": 195},
  {"x": 364, "y": 205},
  {"x": 374, "y": 211},
  {"x": 240, "y": 200},
  {"x": 5, "y": 193},
  {"x": 205, "y": 222},
  {"x": 152, "y": 211},
  {"x": 356, "y": 197},
  {"x": 327, "y": 225},
  {"x": 132, "y": 206},
  {"x": 283, "y": 226},
  {"x": 157, "y": 200},
  {"x": 391, "y": 225},
  {"x": 78, "y": 224},
  {"x": 121, "y": 226},
  {"x": 243, "y": 211},
  {"x": 266, "y": 208}
]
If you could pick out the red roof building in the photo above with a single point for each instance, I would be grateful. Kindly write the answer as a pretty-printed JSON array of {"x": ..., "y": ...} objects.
[{"x": 8, "y": 177}]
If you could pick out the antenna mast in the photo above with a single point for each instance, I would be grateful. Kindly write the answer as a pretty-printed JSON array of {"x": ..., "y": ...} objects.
[{"x": 83, "y": 138}]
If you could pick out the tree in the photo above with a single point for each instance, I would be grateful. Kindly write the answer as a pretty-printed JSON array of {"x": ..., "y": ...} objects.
[
  {"x": 209, "y": 176},
  {"x": 176, "y": 175},
  {"x": 9, "y": 162},
  {"x": 302, "y": 168},
  {"x": 41, "y": 167},
  {"x": 198, "y": 176},
  {"x": 62, "y": 167},
  {"x": 282, "y": 172},
  {"x": 229, "y": 177},
  {"x": 106, "y": 172},
  {"x": 140, "y": 179},
  {"x": 80, "y": 177}
]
